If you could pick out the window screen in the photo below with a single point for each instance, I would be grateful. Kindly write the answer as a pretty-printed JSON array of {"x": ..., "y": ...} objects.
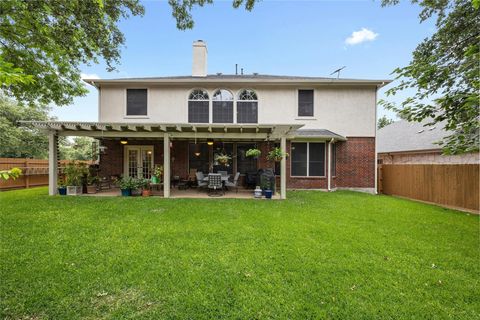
[
  {"x": 198, "y": 157},
  {"x": 305, "y": 103},
  {"x": 299, "y": 159},
  {"x": 316, "y": 162},
  {"x": 198, "y": 111},
  {"x": 198, "y": 105},
  {"x": 222, "y": 106},
  {"x": 245, "y": 164},
  {"x": 136, "y": 102},
  {"x": 247, "y": 112}
]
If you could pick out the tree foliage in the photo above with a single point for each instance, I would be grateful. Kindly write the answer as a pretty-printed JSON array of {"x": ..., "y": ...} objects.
[
  {"x": 81, "y": 148},
  {"x": 445, "y": 74},
  {"x": 43, "y": 43},
  {"x": 181, "y": 10},
  {"x": 18, "y": 140},
  {"x": 383, "y": 122}
]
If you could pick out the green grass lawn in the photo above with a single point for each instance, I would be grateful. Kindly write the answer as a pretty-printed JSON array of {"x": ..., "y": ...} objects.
[{"x": 339, "y": 255}]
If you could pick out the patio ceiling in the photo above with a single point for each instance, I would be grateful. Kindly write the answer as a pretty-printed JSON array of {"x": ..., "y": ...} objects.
[{"x": 174, "y": 130}]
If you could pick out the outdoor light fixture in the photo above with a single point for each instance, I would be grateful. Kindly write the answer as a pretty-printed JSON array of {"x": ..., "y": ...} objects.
[
  {"x": 149, "y": 152},
  {"x": 197, "y": 154},
  {"x": 124, "y": 141},
  {"x": 210, "y": 142}
]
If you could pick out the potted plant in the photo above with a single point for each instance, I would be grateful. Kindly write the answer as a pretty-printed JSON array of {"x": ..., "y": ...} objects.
[
  {"x": 125, "y": 185},
  {"x": 136, "y": 187},
  {"x": 62, "y": 188},
  {"x": 74, "y": 173},
  {"x": 144, "y": 184},
  {"x": 253, "y": 153},
  {"x": 222, "y": 158},
  {"x": 157, "y": 174},
  {"x": 276, "y": 154},
  {"x": 92, "y": 183}
]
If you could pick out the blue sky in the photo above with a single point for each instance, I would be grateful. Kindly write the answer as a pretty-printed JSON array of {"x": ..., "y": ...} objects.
[{"x": 278, "y": 37}]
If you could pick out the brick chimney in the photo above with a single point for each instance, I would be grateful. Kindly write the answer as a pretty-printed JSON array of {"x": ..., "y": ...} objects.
[{"x": 199, "y": 63}]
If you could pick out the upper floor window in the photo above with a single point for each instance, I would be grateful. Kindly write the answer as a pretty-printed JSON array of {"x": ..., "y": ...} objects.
[
  {"x": 247, "y": 106},
  {"x": 222, "y": 106},
  {"x": 136, "y": 102},
  {"x": 305, "y": 103},
  {"x": 198, "y": 105}
]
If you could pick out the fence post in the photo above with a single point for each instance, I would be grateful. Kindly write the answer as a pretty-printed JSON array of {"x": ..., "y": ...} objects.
[
  {"x": 380, "y": 179},
  {"x": 27, "y": 179}
]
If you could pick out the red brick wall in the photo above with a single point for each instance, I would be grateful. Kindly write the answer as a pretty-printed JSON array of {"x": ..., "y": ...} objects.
[{"x": 355, "y": 163}]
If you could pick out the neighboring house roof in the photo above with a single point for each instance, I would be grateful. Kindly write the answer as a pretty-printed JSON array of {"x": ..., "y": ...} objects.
[
  {"x": 250, "y": 78},
  {"x": 402, "y": 136}
]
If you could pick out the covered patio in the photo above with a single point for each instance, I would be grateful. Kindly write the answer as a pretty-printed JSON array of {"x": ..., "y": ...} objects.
[{"x": 168, "y": 133}]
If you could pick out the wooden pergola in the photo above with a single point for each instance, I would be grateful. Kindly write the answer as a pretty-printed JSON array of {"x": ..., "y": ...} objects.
[{"x": 165, "y": 132}]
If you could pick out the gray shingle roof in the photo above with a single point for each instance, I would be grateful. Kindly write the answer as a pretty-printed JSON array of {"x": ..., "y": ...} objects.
[
  {"x": 409, "y": 136},
  {"x": 240, "y": 78},
  {"x": 317, "y": 133}
]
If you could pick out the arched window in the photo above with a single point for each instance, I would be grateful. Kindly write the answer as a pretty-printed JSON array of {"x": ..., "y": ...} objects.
[
  {"x": 247, "y": 106},
  {"x": 198, "y": 105},
  {"x": 222, "y": 106}
]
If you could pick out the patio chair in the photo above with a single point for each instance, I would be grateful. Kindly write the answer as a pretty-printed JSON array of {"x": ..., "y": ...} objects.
[
  {"x": 223, "y": 173},
  {"x": 233, "y": 184},
  {"x": 215, "y": 185},
  {"x": 200, "y": 182}
]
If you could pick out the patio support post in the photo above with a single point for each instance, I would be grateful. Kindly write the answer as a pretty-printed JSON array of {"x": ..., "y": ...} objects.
[
  {"x": 329, "y": 166},
  {"x": 166, "y": 165},
  {"x": 52, "y": 163},
  {"x": 283, "y": 169}
]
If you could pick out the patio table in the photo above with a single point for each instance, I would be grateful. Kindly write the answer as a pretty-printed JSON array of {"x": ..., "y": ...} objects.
[{"x": 224, "y": 178}]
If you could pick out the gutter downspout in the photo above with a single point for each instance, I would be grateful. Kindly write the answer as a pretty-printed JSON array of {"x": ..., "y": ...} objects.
[{"x": 329, "y": 174}]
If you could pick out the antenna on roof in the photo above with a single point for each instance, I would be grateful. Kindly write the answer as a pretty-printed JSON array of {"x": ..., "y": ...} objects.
[{"x": 338, "y": 71}]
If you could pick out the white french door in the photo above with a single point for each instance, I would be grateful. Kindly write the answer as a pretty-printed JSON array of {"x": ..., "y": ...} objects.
[{"x": 138, "y": 161}]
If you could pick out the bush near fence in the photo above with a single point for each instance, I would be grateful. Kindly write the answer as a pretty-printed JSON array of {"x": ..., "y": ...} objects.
[
  {"x": 451, "y": 185},
  {"x": 34, "y": 172}
]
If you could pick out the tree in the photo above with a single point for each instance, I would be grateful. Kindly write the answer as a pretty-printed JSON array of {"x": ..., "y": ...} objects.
[
  {"x": 43, "y": 43},
  {"x": 383, "y": 122},
  {"x": 445, "y": 74},
  {"x": 18, "y": 140},
  {"x": 81, "y": 148}
]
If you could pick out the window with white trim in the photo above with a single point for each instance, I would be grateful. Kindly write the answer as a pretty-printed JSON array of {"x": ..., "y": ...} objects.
[
  {"x": 305, "y": 103},
  {"x": 247, "y": 106},
  {"x": 137, "y": 102},
  {"x": 198, "y": 106},
  {"x": 222, "y": 106},
  {"x": 308, "y": 159}
]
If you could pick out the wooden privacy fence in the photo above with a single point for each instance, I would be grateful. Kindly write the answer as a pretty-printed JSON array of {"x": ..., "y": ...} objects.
[
  {"x": 453, "y": 185},
  {"x": 34, "y": 172}
]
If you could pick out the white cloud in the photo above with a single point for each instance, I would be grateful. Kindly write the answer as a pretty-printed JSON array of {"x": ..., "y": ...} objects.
[
  {"x": 89, "y": 76},
  {"x": 360, "y": 36}
]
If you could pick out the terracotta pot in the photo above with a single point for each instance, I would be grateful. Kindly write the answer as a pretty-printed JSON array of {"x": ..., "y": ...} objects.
[
  {"x": 146, "y": 193},
  {"x": 91, "y": 189}
]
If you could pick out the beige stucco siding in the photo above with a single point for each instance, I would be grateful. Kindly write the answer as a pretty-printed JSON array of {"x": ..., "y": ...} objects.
[{"x": 348, "y": 111}]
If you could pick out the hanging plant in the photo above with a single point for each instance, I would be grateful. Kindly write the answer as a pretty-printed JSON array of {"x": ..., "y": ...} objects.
[
  {"x": 222, "y": 158},
  {"x": 276, "y": 154},
  {"x": 253, "y": 153}
]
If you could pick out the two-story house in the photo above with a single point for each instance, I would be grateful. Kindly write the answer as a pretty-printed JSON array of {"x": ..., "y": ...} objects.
[{"x": 326, "y": 125}]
